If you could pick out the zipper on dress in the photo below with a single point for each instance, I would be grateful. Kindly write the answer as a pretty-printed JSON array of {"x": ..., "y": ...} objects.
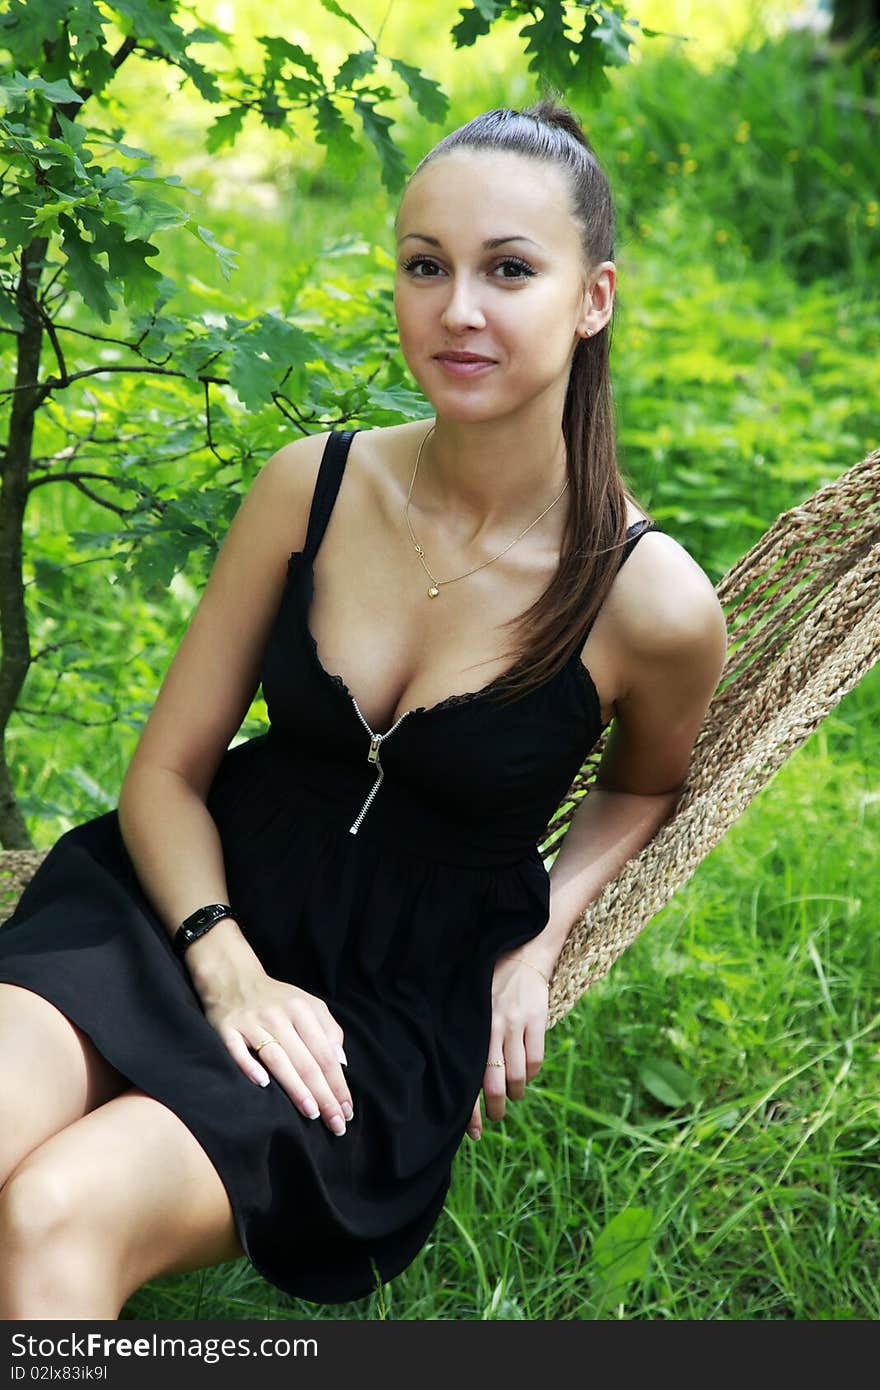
[{"x": 373, "y": 757}]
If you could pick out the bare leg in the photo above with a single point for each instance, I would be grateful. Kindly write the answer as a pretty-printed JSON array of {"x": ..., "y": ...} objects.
[
  {"x": 86, "y": 1221},
  {"x": 122, "y": 1195},
  {"x": 52, "y": 1074}
]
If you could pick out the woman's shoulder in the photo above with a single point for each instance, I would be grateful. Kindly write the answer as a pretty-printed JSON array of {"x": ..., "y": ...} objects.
[
  {"x": 664, "y": 601},
  {"x": 374, "y": 473},
  {"x": 384, "y": 451},
  {"x": 379, "y": 448}
]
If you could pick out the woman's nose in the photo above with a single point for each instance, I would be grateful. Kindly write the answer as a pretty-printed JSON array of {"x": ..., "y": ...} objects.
[{"x": 462, "y": 309}]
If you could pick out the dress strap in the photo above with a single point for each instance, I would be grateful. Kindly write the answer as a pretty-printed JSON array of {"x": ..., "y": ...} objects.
[
  {"x": 634, "y": 535},
  {"x": 326, "y": 487}
]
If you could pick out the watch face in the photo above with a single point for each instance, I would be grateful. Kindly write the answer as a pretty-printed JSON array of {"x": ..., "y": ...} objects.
[{"x": 207, "y": 916}]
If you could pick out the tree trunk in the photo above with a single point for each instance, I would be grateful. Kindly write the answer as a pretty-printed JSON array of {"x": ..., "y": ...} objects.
[{"x": 16, "y": 652}]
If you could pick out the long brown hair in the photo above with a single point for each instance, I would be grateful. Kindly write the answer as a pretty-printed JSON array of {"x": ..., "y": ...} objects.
[{"x": 595, "y": 528}]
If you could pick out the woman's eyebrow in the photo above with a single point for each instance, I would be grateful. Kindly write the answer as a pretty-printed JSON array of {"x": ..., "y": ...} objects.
[{"x": 488, "y": 245}]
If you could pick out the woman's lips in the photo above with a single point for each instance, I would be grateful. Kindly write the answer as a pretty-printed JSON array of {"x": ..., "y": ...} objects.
[{"x": 472, "y": 367}]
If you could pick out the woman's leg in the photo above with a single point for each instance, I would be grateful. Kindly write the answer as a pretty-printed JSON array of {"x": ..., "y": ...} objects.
[
  {"x": 124, "y": 1194},
  {"x": 52, "y": 1074},
  {"x": 90, "y": 1211}
]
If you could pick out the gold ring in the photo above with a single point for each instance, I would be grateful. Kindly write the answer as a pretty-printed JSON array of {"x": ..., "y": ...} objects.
[
  {"x": 496, "y": 1064},
  {"x": 265, "y": 1043}
]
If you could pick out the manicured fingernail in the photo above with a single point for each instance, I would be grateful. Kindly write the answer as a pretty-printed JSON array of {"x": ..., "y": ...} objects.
[
  {"x": 337, "y": 1124},
  {"x": 311, "y": 1109},
  {"x": 474, "y": 1133},
  {"x": 347, "y": 1110},
  {"x": 340, "y": 1053},
  {"x": 264, "y": 1082}
]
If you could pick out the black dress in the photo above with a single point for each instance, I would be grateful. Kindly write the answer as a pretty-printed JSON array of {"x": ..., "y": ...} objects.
[{"x": 387, "y": 887}]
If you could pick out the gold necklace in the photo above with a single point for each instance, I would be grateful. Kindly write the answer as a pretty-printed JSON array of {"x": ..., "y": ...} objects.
[{"x": 434, "y": 590}]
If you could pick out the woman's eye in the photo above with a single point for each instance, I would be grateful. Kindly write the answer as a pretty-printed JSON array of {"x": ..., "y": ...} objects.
[
  {"x": 522, "y": 269},
  {"x": 415, "y": 261}
]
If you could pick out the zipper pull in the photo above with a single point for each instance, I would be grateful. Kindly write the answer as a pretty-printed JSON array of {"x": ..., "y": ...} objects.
[{"x": 373, "y": 755}]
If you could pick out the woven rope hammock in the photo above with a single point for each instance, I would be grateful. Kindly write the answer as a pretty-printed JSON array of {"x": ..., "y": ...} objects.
[{"x": 803, "y": 619}]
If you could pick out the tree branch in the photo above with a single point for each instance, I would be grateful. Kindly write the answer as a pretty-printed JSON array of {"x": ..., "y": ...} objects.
[
  {"x": 75, "y": 564},
  {"x": 53, "y": 337},
  {"x": 100, "y": 501},
  {"x": 62, "y": 714},
  {"x": 52, "y": 382},
  {"x": 211, "y": 445},
  {"x": 71, "y": 110},
  {"x": 53, "y": 647},
  {"x": 65, "y": 293},
  {"x": 294, "y": 415},
  {"x": 68, "y": 478},
  {"x": 122, "y": 52},
  {"x": 95, "y": 337}
]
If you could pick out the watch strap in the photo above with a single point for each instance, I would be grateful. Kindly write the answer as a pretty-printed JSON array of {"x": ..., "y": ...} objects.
[{"x": 199, "y": 922}]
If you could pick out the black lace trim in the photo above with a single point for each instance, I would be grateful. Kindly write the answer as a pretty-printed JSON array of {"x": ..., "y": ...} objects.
[{"x": 463, "y": 697}]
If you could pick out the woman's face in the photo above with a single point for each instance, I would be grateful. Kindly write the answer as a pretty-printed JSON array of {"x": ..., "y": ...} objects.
[{"x": 518, "y": 303}]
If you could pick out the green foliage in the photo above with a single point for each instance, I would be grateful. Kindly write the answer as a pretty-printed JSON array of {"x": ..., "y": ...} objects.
[
  {"x": 620, "y": 1256},
  {"x": 777, "y": 149},
  {"x": 666, "y": 1081},
  {"x": 569, "y": 44},
  {"x": 751, "y": 404},
  {"x": 61, "y": 187}
]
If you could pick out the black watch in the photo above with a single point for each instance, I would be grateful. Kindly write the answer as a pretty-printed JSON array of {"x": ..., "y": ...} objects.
[{"x": 198, "y": 922}]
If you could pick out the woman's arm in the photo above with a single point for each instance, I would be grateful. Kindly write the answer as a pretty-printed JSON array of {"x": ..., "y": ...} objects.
[
  {"x": 174, "y": 845},
  {"x": 673, "y": 642},
  {"x": 673, "y": 645},
  {"x": 608, "y": 828},
  {"x": 171, "y": 837}
]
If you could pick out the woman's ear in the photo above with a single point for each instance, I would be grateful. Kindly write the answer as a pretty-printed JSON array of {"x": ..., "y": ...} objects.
[{"x": 598, "y": 299}]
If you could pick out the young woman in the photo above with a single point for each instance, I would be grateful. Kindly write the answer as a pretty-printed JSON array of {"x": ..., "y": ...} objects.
[{"x": 252, "y": 1010}]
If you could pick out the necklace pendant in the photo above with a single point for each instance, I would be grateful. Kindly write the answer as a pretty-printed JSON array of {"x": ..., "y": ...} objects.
[
  {"x": 433, "y": 591},
  {"x": 419, "y": 550}
]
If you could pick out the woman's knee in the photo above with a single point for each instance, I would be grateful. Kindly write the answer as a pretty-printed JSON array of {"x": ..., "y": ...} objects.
[
  {"x": 49, "y": 1267},
  {"x": 127, "y": 1185},
  {"x": 38, "y": 1208},
  {"x": 44, "y": 1255}
]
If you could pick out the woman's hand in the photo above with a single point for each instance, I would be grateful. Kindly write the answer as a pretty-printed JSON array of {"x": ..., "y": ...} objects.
[
  {"x": 520, "y": 1004},
  {"x": 307, "y": 1052}
]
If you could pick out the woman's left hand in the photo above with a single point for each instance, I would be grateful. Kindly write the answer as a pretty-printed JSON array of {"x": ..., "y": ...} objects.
[{"x": 520, "y": 1004}]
